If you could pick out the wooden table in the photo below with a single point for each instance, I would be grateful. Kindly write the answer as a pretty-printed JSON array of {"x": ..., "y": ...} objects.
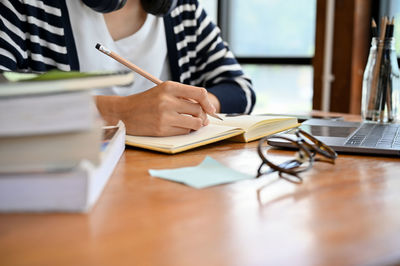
[{"x": 343, "y": 214}]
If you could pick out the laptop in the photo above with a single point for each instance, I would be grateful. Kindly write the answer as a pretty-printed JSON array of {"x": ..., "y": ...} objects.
[{"x": 351, "y": 137}]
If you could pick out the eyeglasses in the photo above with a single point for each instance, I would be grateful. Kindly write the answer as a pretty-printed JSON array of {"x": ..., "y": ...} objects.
[{"x": 309, "y": 150}]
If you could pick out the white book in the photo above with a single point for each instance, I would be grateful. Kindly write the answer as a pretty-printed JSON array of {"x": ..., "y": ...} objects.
[
  {"x": 47, "y": 113},
  {"x": 52, "y": 102},
  {"x": 76, "y": 190},
  {"x": 50, "y": 152}
]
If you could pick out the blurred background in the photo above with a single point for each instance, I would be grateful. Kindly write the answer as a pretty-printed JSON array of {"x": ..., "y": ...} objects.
[{"x": 280, "y": 46}]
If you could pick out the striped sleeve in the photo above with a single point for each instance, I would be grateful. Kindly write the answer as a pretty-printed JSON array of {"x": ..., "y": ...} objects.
[
  {"x": 32, "y": 35},
  {"x": 205, "y": 59}
]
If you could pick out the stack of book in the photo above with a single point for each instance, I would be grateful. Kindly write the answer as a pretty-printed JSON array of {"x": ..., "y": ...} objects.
[{"x": 55, "y": 155}]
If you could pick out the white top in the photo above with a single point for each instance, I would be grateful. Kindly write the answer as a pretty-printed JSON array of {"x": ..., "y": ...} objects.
[{"x": 147, "y": 48}]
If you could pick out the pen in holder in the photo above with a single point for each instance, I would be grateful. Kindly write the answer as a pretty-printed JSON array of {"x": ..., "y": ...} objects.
[{"x": 380, "y": 89}]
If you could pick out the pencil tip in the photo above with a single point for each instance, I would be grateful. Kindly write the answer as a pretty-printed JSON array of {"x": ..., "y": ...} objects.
[
  {"x": 373, "y": 23},
  {"x": 98, "y": 46}
]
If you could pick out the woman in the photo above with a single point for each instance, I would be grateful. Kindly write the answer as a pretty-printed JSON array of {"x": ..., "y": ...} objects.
[{"x": 173, "y": 40}]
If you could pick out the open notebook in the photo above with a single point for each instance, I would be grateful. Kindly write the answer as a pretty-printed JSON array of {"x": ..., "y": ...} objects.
[{"x": 242, "y": 128}]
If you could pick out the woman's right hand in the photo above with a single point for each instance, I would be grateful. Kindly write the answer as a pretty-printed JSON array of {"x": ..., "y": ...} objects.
[{"x": 170, "y": 108}]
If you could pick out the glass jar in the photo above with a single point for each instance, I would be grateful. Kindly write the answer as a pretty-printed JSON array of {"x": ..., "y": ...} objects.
[{"x": 380, "y": 88}]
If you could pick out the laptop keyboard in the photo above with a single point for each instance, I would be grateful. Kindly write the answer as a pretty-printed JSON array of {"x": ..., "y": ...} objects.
[{"x": 384, "y": 136}]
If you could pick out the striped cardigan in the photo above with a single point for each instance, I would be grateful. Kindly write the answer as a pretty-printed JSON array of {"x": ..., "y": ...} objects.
[{"x": 36, "y": 35}]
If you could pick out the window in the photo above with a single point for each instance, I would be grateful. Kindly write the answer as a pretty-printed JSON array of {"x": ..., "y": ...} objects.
[
  {"x": 274, "y": 28},
  {"x": 211, "y": 7},
  {"x": 391, "y": 8},
  {"x": 274, "y": 42},
  {"x": 284, "y": 89}
]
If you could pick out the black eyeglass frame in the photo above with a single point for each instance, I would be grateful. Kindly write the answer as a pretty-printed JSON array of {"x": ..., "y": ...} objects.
[
  {"x": 307, "y": 152},
  {"x": 318, "y": 147}
]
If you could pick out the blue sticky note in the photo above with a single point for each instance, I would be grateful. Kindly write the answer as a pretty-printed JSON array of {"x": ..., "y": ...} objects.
[{"x": 209, "y": 173}]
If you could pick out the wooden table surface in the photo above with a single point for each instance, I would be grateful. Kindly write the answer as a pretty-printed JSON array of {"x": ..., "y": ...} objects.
[{"x": 342, "y": 214}]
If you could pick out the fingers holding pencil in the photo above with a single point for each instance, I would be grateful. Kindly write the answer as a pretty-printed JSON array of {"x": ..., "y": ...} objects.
[
  {"x": 185, "y": 91},
  {"x": 197, "y": 94}
]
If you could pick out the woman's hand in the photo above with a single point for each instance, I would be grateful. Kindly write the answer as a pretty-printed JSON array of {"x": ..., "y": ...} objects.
[{"x": 170, "y": 108}]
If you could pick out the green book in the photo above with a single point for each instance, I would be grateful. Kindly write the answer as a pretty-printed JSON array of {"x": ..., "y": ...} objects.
[{"x": 21, "y": 83}]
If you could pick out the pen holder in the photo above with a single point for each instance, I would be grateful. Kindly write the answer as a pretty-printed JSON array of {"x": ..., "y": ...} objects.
[{"x": 380, "y": 88}]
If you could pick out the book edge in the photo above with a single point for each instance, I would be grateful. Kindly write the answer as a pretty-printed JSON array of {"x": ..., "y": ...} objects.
[
  {"x": 230, "y": 134},
  {"x": 13, "y": 89},
  {"x": 269, "y": 133},
  {"x": 85, "y": 173}
]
